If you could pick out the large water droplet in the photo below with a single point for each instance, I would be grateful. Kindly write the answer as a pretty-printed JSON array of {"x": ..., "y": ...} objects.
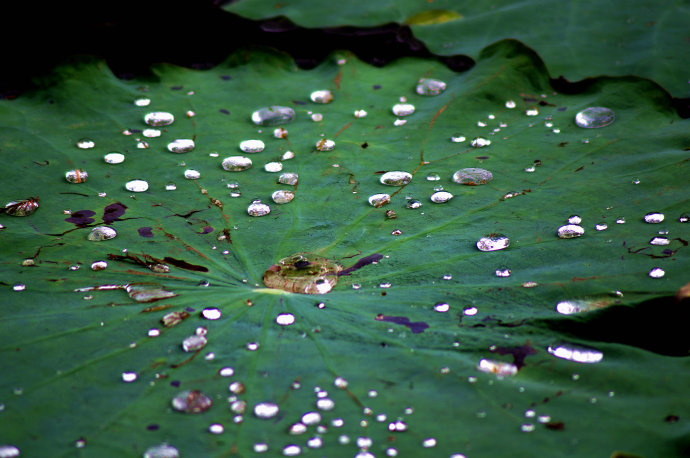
[
  {"x": 282, "y": 196},
  {"x": 159, "y": 118},
  {"x": 76, "y": 176},
  {"x": 430, "y": 86},
  {"x": 289, "y": 178},
  {"x": 181, "y": 145},
  {"x": 252, "y": 146},
  {"x": 191, "y": 401},
  {"x": 303, "y": 273},
  {"x": 441, "y": 197},
  {"x": 472, "y": 176},
  {"x": 265, "y": 410},
  {"x": 258, "y": 208},
  {"x": 150, "y": 292},
  {"x": 325, "y": 145},
  {"x": 273, "y": 116},
  {"x": 161, "y": 451},
  {"x": 378, "y": 200},
  {"x": 322, "y": 96},
  {"x": 594, "y": 117},
  {"x": 653, "y": 218},
  {"x": 236, "y": 163},
  {"x": 114, "y": 158},
  {"x": 493, "y": 242},
  {"x": 21, "y": 207},
  {"x": 577, "y": 353},
  {"x": 403, "y": 109},
  {"x": 101, "y": 233},
  {"x": 192, "y": 174},
  {"x": 396, "y": 178},
  {"x": 137, "y": 186},
  {"x": 570, "y": 231}
]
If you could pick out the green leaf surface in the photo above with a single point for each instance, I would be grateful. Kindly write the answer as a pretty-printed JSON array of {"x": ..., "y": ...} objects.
[
  {"x": 70, "y": 337},
  {"x": 576, "y": 40}
]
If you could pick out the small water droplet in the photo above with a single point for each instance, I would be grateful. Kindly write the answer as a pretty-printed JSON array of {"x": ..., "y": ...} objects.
[
  {"x": 114, "y": 158},
  {"x": 76, "y": 176},
  {"x": 510, "y": 104},
  {"x": 159, "y": 118},
  {"x": 303, "y": 273},
  {"x": 142, "y": 101},
  {"x": 325, "y": 404},
  {"x": 236, "y": 163},
  {"x": 429, "y": 442},
  {"x": 447, "y": 277},
  {"x": 137, "y": 186},
  {"x": 571, "y": 306},
  {"x": 413, "y": 204},
  {"x": 317, "y": 117},
  {"x": 470, "y": 311},
  {"x": 211, "y": 313},
  {"x": 192, "y": 174},
  {"x": 396, "y": 178},
  {"x": 653, "y": 218},
  {"x": 292, "y": 450},
  {"x": 181, "y": 145},
  {"x": 601, "y": 227},
  {"x": 441, "y": 197},
  {"x": 657, "y": 272},
  {"x": 527, "y": 428},
  {"x": 378, "y": 200},
  {"x": 101, "y": 233},
  {"x": 257, "y": 208},
  {"x": 441, "y": 307},
  {"x": 497, "y": 367},
  {"x": 285, "y": 319},
  {"x": 191, "y": 401},
  {"x": 433, "y": 176},
  {"x": 86, "y": 143},
  {"x": 594, "y": 117},
  {"x": 577, "y": 353},
  {"x": 280, "y": 132},
  {"x": 570, "y": 231},
  {"x": 659, "y": 241},
  {"x": 19, "y": 287},
  {"x": 252, "y": 146},
  {"x": 360, "y": 114},
  {"x": 266, "y": 410},
  {"x": 480, "y": 142},
  {"x": 216, "y": 428},
  {"x": 194, "y": 342},
  {"x": 170, "y": 187},
  {"x": 282, "y": 196},
  {"x": 321, "y": 96},
  {"x": 575, "y": 219},
  {"x": 226, "y": 372},
  {"x": 273, "y": 116},
  {"x": 260, "y": 447},
  {"x": 502, "y": 272},
  {"x": 161, "y": 451},
  {"x": 493, "y": 242},
  {"x": 430, "y": 86},
  {"x": 403, "y": 109},
  {"x": 129, "y": 377},
  {"x": 457, "y": 138},
  {"x": 325, "y": 145},
  {"x": 289, "y": 178},
  {"x": 684, "y": 218},
  {"x": 472, "y": 176},
  {"x": 151, "y": 133},
  {"x": 273, "y": 167}
]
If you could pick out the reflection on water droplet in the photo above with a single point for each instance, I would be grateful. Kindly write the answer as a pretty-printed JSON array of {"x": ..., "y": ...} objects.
[
  {"x": 288, "y": 178},
  {"x": 470, "y": 311},
  {"x": 191, "y": 174},
  {"x": 282, "y": 196},
  {"x": 653, "y": 218},
  {"x": 577, "y": 353},
  {"x": 236, "y": 163},
  {"x": 480, "y": 142},
  {"x": 441, "y": 197},
  {"x": 657, "y": 272},
  {"x": 273, "y": 167},
  {"x": 493, "y": 242},
  {"x": 76, "y": 176},
  {"x": 303, "y": 273},
  {"x": 114, "y": 158},
  {"x": 527, "y": 428},
  {"x": 273, "y": 115},
  {"x": 159, "y": 118},
  {"x": 441, "y": 307},
  {"x": 378, "y": 200},
  {"x": 322, "y": 96},
  {"x": 161, "y": 451},
  {"x": 403, "y": 109},
  {"x": 570, "y": 231},
  {"x": 265, "y": 410},
  {"x": 396, "y": 178},
  {"x": 497, "y": 367},
  {"x": 101, "y": 233},
  {"x": 325, "y": 145},
  {"x": 191, "y": 401},
  {"x": 260, "y": 447},
  {"x": 257, "y": 208},
  {"x": 181, "y": 145},
  {"x": 137, "y": 186},
  {"x": 287, "y": 155},
  {"x": 472, "y": 176},
  {"x": 502, "y": 272},
  {"x": 252, "y": 146},
  {"x": 430, "y": 86},
  {"x": 594, "y": 117}
]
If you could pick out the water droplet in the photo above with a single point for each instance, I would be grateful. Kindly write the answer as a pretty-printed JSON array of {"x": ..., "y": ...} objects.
[
  {"x": 571, "y": 306},
  {"x": 575, "y": 219},
  {"x": 287, "y": 155},
  {"x": 403, "y": 109},
  {"x": 497, "y": 367},
  {"x": 236, "y": 387},
  {"x": 181, "y": 145},
  {"x": 532, "y": 112},
  {"x": 378, "y": 200},
  {"x": 325, "y": 145},
  {"x": 317, "y": 117},
  {"x": 282, "y": 196},
  {"x": 273, "y": 116},
  {"x": 441, "y": 307},
  {"x": 21, "y": 207},
  {"x": 297, "y": 429},
  {"x": 194, "y": 342},
  {"x": 159, "y": 118},
  {"x": 396, "y": 178},
  {"x": 260, "y": 447},
  {"x": 211, "y": 313},
  {"x": 433, "y": 176},
  {"x": 19, "y": 287},
  {"x": 447, "y": 277},
  {"x": 325, "y": 404},
  {"x": 137, "y": 186},
  {"x": 216, "y": 428},
  {"x": 527, "y": 428},
  {"x": 441, "y": 197},
  {"x": 101, "y": 233},
  {"x": 594, "y": 117},
  {"x": 142, "y": 101},
  {"x": 457, "y": 138},
  {"x": 257, "y": 208},
  {"x": 76, "y": 176},
  {"x": 577, "y": 353},
  {"x": 502, "y": 272},
  {"x": 285, "y": 319},
  {"x": 493, "y": 242},
  {"x": 273, "y": 167},
  {"x": 360, "y": 114},
  {"x": 129, "y": 377},
  {"x": 659, "y": 241},
  {"x": 226, "y": 372},
  {"x": 292, "y": 450},
  {"x": 265, "y": 410},
  {"x": 684, "y": 218},
  {"x": 429, "y": 442},
  {"x": 620, "y": 220},
  {"x": 191, "y": 401},
  {"x": 601, "y": 227},
  {"x": 86, "y": 143},
  {"x": 430, "y": 86},
  {"x": 472, "y": 176},
  {"x": 470, "y": 311},
  {"x": 480, "y": 142},
  {"x": 510, "y": 104},
  {"x": 161, "y": 451},
  {"x": 570, "y": 231},
  {"x": 653, "y": 218},
  {"x": 288, "y": 178},
  {"x": 114, "y": 158},
  {"x": 151, "y": 133},
  {"x": 657, "y": 272},
  {"x": 303, "y": 273},
  {"x": 192, "y": 174},
  {"x": 322, "y": 96},
  {"x": 280, "y": 132},
  {"x": 413, "y": 204},
  {"x": 252, "y": 146},
  {"x": 236, "y": 163}
]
